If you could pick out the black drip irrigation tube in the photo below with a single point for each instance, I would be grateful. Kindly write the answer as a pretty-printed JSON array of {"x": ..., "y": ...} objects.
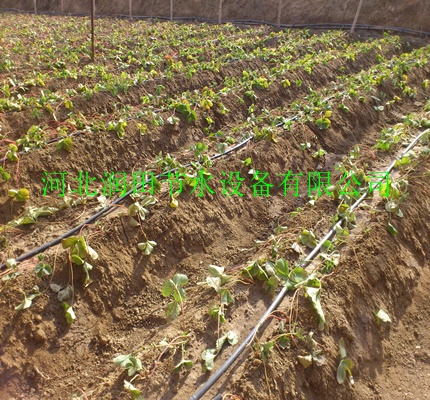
[
  {"x": 277, "y": 301},
  {"x": 110, "y": 207},
  {"x": 321, "y": 25}
]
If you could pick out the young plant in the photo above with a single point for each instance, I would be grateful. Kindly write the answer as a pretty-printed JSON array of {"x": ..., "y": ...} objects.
[
  {"x": 315, "y": 356},
  {"x": 41, "y": 268},
  {"x": 80, "y": 253},
  {"x": 131, "y": 363},
  {"x": 174, "y": 288},
  {"x": 28, "y": 299},
  {"x": 208, "y": 356},
  {"x": 19, "y": 194}
]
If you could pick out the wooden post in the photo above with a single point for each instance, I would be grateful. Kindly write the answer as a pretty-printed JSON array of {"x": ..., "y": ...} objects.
[
  {"x": 93, "y": 6},
  {"x": 171, "y": 10},
  {"x": 130, "y": 8},
  {"x": 35, "y": 6},
  {"x": 220, "y": 12},
  {"x": 278, "y": 22},
  {"x": 356, "y": 17},
  {"x": 62, "y": 6}
]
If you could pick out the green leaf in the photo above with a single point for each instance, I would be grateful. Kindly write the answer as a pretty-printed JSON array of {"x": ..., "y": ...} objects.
[
  {"x": 147, "y": 247},
  {"x": 134, "y": 392},
  {"x": 284, "y": 342},
  {"x": 265, "y": 349},
  {"x": 69, "y": 242},
  {"x": 87, "y": 268},
  {"x": 42, "y": 269},
  {"x": 68, "y": 313},
  {"x": 168, "y": 288},
  {"x": 216, "y": 271},
  {"x": 232, "y": 338},
  {"x": 5, "y": 175},
  {"x": 214, "y": 282},
  {"x": 180, "y": 280},
  {"x": 392, "y": 229},
  {"x": 217, "y": 313},
  {"x": 19, "y": 195},
  {"x": 323, "y": 123},
  {"x": 28, "y": 300},
  {"x": 382, "y": 318},
  {"x": 65, "y": 144},
  {"x": 342, "y": 348},
  {"x": 282, "y": 268},
  {"x": 315, "y": 294},
  {"x": 226, "y": 297},
  {"x": 183, "y": 363},
  {"x": 129, "y": 362},
  {"x": 208, "y": 357},
  {"x": 298, "y": 275},
  {"x": 343, "y": 370},
  {"x": 179, "y": 295},
  {"x": 77, "y": 260},
  {"x": 308, "y": 239},
  {"x": 173, "y": 310}
]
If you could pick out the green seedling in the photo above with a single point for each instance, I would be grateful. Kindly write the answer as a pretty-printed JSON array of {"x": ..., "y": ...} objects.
[
  {"x": 65, "y": 144},
  {"x": 20, "y": 194},
  {"x": 174, "y": 288},
  {"x": 319, "y": 153},
  {"x": 41, "y": 268},
  {"x": 184, "y": 363},
  {"x": 147, "y": 247},
  {"x": 80, "y": 253},
  {"x": 131, "y": 363}
]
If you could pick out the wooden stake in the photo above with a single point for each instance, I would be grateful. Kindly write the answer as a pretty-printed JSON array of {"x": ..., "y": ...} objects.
[
  {"x": 278, "y": 22},
  {"x": 356, "y": 17},
  {"x": 93, "y": 6},
  {"x": 171, "y": 10},
  {"x": 62, "y": 7},
  {"x": 220, "y": 12},
  {"x": 130, "y": 8},
  {"x": 35, "y": 6}
]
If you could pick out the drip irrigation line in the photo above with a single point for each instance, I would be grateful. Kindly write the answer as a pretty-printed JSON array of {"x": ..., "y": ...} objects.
[
  {"x": 110, "y": 207},
  {"x": 214, "y": 378},
  {"x": 321, "y": 25}
]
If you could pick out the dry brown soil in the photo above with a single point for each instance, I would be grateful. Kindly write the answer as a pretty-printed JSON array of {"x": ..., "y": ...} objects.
[{"x": 122, "y": 310}]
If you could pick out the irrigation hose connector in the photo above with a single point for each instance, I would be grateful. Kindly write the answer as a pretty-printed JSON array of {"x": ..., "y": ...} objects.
[{"x": 217, "y": 375}]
